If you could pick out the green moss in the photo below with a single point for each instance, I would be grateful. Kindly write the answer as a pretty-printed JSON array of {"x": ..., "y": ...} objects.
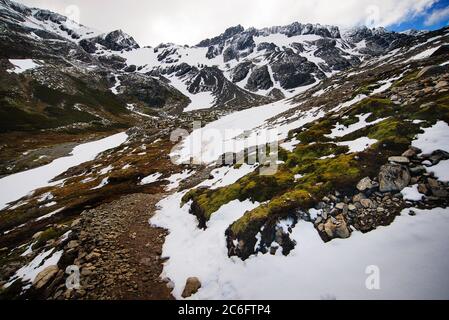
[
  {"x": 316, "y": 132},
  {"x": 48, "y": 234},
  {"x": 276, "y": 208},
  {"x": 306, "y": 152},
  {"x": 254, "y": 186},
  {"x": 379, "y": 108}
]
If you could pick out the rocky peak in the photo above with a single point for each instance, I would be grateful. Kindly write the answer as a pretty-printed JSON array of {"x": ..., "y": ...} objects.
[
  {"x": 229, "y": 33},
  {"x": 297, "y": 28},
  {"x": 116, "y": 41},
  {"x": 46, "y": 15},
  {"x": 119, "y": 40}
]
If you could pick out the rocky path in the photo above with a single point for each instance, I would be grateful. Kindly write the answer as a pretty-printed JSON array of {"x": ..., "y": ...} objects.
[{"x": 117, "y": 251}]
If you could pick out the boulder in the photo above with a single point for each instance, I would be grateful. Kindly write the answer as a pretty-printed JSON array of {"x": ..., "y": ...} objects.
[
  {"x": 192, "y": 286},
  {"x": 45, "y": 276},
  {"x": 393, "y": 177}
]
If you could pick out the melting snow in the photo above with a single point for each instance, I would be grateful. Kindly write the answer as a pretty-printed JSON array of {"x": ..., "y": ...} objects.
[
  {"x": 227, "y": 175},
  {"x": 151, "y": 178},
  {"x": 314, "y": 269},
  {"x": 38, "y": 264},
  {"x": 433, "y": 138},
  {"x": 358, "y": 145},
  {"x": 177, "y": 178},
  {"x": 103, "y": 182},
  {"x": 422, "y": 55},
  {"x": 224, "y": 135},
  {"x": 441, "y": 170},
  {"x": 22, "y": 65},
  {"x": 341, "y": 130},
  {"x": 411, "y": 193},
  {"x": 48, "y": 215},
  {"x": 114, "y": 89}
]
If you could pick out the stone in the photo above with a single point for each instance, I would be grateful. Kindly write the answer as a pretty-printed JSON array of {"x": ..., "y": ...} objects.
[
  {"x": 45, "y": 276},
  {"x": 441, "y": 84},
  {"x": 37, "y": 235},
  {"x": 411, "y": 152},
  {"x": 192, "y": 286},
  {"x": 93, "y": 256},
  {"x": 422, "y": 188},
  {"x": 367, "y": 203},
  {"x": 72, "y": 244},
  {"x": 365, "y": 184},
  {"x": 393, "y": 177},
  {"x": 75, "y": 223},
  {"x": 428, "y": 105},
  {"x": 402, "y": 160},
  {"x": 440, "y": 193},
  {"x": 340, "y": 206},
  {"x": 417, "y": 170},
  {"x": 352, "y": 207},
  {"x": 433, "y": 183},
  {"x": 358, "y": 197},
  {"x": 336, "y": 228}
]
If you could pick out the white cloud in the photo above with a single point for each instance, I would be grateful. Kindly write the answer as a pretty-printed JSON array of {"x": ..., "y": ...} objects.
[
  {"x": 437, "y": 16},
  {"x": 188, "y": 22}
]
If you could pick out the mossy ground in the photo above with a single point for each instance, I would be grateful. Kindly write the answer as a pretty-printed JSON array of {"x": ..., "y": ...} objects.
[{"x": 324, "y": 165}]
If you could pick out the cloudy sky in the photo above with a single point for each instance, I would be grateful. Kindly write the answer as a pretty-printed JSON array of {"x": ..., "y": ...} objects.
[{"x": 151, "y": 22}]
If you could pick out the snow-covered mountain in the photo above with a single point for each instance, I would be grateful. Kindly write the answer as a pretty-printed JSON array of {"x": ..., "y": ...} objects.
[
  {"x": 275, "y": 62},
  {"x": 236, "y": 69}
]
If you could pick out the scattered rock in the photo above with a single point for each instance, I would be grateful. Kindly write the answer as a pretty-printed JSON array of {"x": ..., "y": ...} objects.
[{"x": 193, "y": 284}]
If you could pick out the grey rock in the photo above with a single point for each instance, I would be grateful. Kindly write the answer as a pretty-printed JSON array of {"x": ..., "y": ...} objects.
[{"x": 393, "y": 177}]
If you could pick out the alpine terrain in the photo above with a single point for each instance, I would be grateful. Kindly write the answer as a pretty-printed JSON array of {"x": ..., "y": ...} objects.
[{"x": 286, "y": 162}]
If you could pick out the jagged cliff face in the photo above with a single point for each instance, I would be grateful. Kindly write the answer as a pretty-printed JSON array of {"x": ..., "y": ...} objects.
[{"x": 273, "y": 62}]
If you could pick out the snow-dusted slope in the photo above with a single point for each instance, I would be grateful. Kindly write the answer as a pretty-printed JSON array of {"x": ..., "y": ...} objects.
[{"x": 38, "y": 20}]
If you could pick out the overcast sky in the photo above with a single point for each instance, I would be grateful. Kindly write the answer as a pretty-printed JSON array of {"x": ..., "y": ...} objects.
[{"x": 189, "y": 21}]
